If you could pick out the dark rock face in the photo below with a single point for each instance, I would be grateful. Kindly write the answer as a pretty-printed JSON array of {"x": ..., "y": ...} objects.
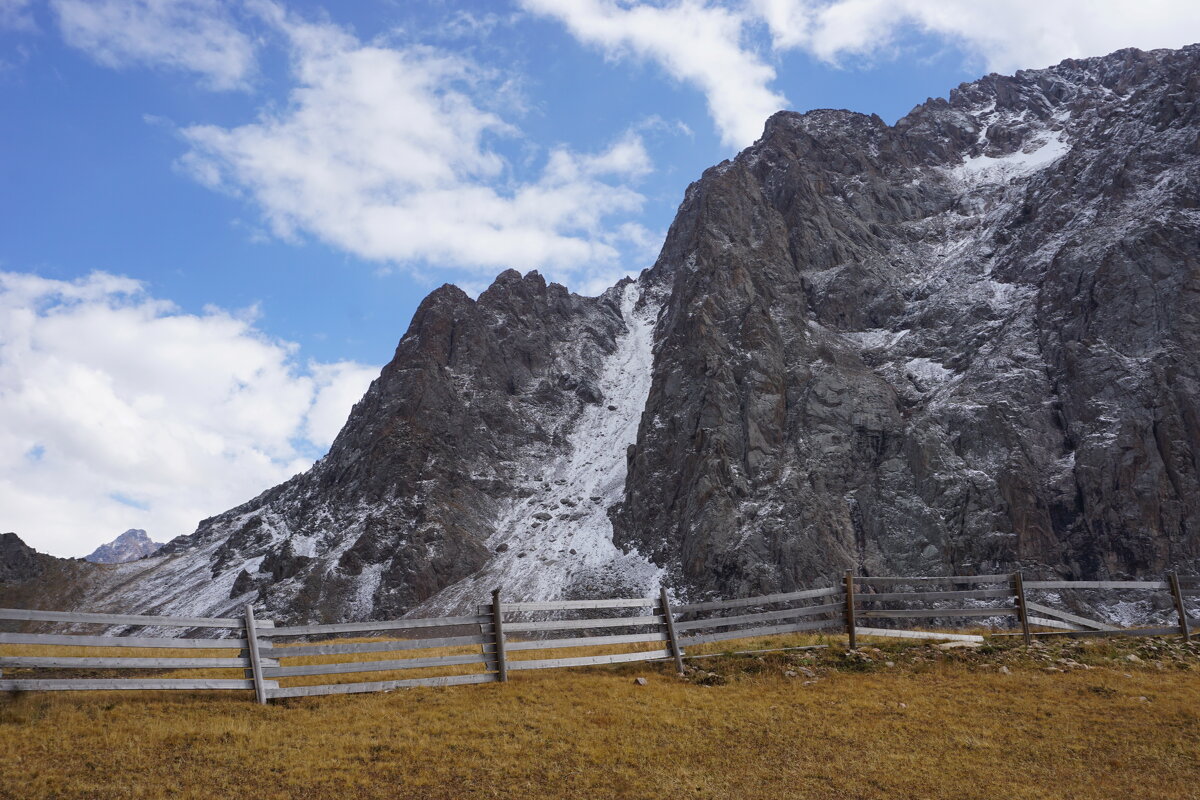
[
  {"x": 29, "y": 579},
  {"x": 19, "y": 561},
  {"x": 129, "y": 546},
  {"x": 965, "y": 342},
  {"x": 403, "y": 503}
]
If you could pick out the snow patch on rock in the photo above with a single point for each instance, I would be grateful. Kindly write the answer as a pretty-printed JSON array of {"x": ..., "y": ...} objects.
[
  {"x": 985, "y": 169},
  {"x": 559, "y": 538}
]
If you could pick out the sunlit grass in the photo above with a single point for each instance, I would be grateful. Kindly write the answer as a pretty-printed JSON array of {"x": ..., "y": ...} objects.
[{"x": 936, "y": 724}]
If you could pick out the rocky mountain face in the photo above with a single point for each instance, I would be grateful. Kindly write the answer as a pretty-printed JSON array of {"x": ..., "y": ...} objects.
[
  {"x": 29, "y": 579},
  {"x": 18, "y": 561},
  {"x": 129, "y": 546},
  {"x": 463, "y": 460},
  {"x": 964, "y": 342}
]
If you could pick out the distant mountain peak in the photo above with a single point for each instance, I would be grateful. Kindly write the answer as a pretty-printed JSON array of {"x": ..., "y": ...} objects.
[{"x": 131, "y": 545}]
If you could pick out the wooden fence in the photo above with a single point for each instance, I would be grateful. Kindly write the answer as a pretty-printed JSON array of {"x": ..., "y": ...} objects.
[{"x": 254, "y": 654}]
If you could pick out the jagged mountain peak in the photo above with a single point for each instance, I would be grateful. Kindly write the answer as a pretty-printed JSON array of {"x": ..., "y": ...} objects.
[
  {"x": 887, "y": 329},
  {"x": 966, "y": 341},
  {"x": 18, "y": 561},
  {"x": 129, "y": 546}
]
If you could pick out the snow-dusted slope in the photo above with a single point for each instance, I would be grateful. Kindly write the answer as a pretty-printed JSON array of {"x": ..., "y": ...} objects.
[
  {"x": 557, "y": 539},
  {"x": 129, "y": 546},
  {"x": 490, "y": 449},
  {"x": 966, "y": 341}
]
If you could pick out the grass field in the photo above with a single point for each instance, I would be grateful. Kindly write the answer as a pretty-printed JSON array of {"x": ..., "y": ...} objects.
[{"x": 1076, "y": 719}]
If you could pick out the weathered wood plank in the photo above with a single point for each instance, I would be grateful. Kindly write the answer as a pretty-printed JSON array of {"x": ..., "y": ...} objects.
[
  {"x": 1053, "y": 623},
  {"x": 582, "y": 661},
  {"x": 1180, "y": 610},
  {"x": 1018, "y": 580},
  {"x": 1095, "y": 585},
  {"x": 892, "y": 580},
  {"x": 256, "y": 667},
  {"x": 770, "y": 630},
  {"x": 761, "y": 600},
  {"x": 848, "y": 610},
  {"x": 764, "y": 616},
  {"x": 369, "y": 647},
  {"x": 380, "y": 686},
  {"x": 1172, "y": 631},
  {"x": 575, "y": 624},
  {"x": 50, "y": 662},
  {"x": 120, "y": 684},
  {"x": 34, "y": 615},
  {"x": 368, "y": 627},
  {"x": 769, "y": 650},
  {"x": 585, "y": 641},
  {"x": 374, "y": 666},
  {"x": 79, "y": 640},
  {"x": 672, "y": 635},
  {"x": 896, "y": 634},
  {"x": 922, "y": 613},
  {"x": 499, "y": 637},
  {"x": 977, "y": 594},
  {"x": 564, "y": 605},
  {"x": 1079, "y": 621}
]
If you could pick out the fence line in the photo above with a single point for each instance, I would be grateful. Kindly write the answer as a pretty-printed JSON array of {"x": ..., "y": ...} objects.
[{"x": 528, "y": 635}]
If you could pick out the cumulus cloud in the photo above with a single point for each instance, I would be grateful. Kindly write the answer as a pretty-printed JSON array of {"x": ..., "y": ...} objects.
[
  {"x": 696, "y": 43},
  {"x": 1020, "y": 34},
  {"x": 117, "y": 410},
  {"x": 385, "y": 152},
  {"x": 197, "y": 36},
  {"x": 711, "y": 45}
]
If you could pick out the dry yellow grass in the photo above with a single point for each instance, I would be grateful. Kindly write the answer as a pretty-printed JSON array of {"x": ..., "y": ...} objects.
[{"x": 936, "y": 725}]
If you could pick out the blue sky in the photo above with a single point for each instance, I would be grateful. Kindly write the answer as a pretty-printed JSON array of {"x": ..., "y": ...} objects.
[{"x": 218, "y": 218}]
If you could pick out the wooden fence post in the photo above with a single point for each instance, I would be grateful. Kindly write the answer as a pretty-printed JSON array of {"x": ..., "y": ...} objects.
[
  {"x": 1022, "y": 611},
  {"x": 850, "y": 631},
  {"x": 1180, "y": 609},
  {"x": 260, "y": 690},
  {"x": 498, "y": 633},
  {"x": 669, "y": 619}
]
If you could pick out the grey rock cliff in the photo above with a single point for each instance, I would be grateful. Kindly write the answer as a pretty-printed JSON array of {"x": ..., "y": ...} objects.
[
  {"x": 478, "y": 394},
  {"x": 29, "y": 579},
  {"x": 964, "y": 342},
  {"x": 19, "y": 561},
  {"x": 129, "y": 546}
]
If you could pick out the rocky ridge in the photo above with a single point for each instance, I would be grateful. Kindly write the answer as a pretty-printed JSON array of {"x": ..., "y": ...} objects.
[
  {"x": 129, "y": 546},
  {"x": 964, "y": 342}
]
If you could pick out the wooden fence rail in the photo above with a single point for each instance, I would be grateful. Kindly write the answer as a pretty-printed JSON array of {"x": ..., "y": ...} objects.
[
  {"x": 233, "y": 628},
  {"x": 504, "y": 637}
]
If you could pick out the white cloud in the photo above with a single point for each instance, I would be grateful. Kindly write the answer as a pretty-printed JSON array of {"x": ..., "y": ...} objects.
[
  {"x": 337, "y": 387},
  {"x": 14, "y": 15},
  {"x": 709, "y": 44},
  {"x": 695, "y": 42},
  {"x": 385, "y": 152},
  {"x": 1018, "y": 34},
  {"x": 197, "y": 36},
  {"x": 118, "y": 411}
]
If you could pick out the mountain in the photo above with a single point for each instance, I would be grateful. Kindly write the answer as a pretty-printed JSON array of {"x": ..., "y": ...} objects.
[
  {"x": 129, "y": 546},
  {"x": 18, "y": 561},
  {"x": 29, "y": 579},
  {"x": 964, "y": 342}
]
